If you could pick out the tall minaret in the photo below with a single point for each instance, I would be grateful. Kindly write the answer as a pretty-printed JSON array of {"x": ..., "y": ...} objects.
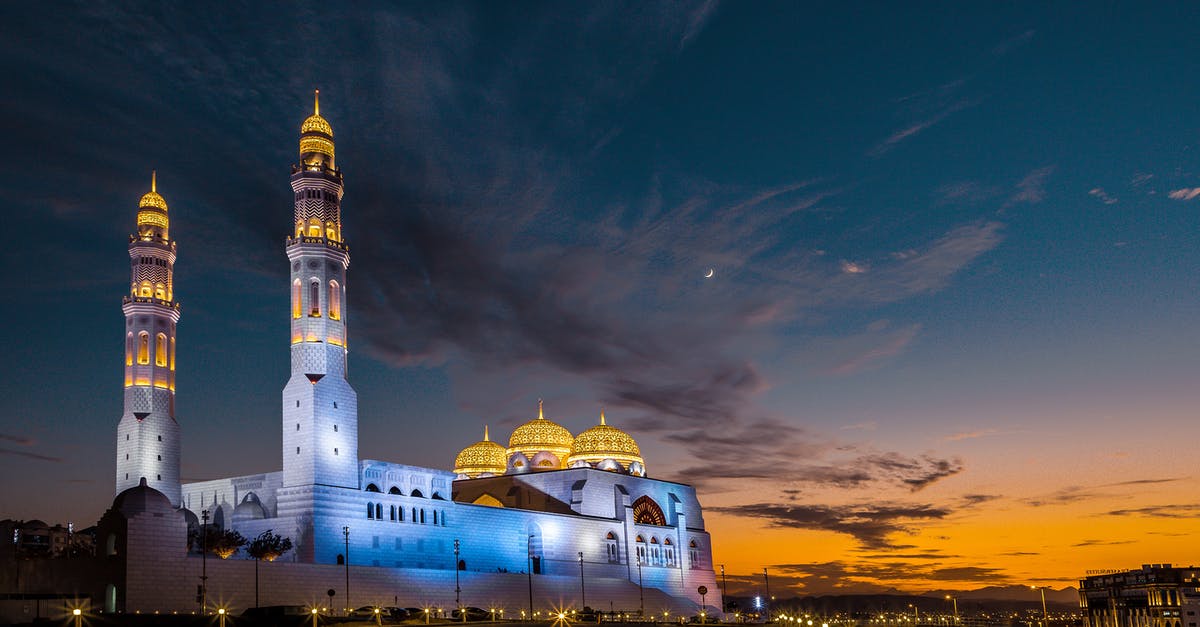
[
  {"x": 148, "y": 436},
  {"x": 320, "y": 409}
]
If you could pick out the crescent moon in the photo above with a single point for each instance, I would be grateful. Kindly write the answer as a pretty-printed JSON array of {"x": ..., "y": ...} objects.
[{"x": 710, "y": 273}]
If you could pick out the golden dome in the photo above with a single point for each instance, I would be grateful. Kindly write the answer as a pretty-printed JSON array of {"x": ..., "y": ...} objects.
[
  {"x": 151, "y": 198},
  {"x": 316, "y": 136},
  {"x": 314, "y": 122},
  {"x": 484, "y": 456},
  {"x": 541, "y": 435},
  {"x": 603, "y": 442}
]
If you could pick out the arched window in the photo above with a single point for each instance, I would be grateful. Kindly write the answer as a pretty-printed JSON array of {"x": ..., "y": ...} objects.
[
  {"x": 640, "y": 543},
  {"x": 379, "y": 511},
  {"x": 147, "y": 290},
  {"x": 314, "y": 228},
  {"x": 330, "y": 231},
  {"x": 435, "y": 516},
  {"x": 129, "y": 349},
  {"x": 160, "y": 350},
  {"x": 647, "y": 512},
  {"x": 400, "y": 514},
  {"x": 414, "y": 514},
  {"x": 314, "y": 298},
  {"x": 393, "y": 512},
  {"x": 143, "y": 348},
  {"x": 335, "y": 301},
  {"x": 417, "y": 493},
  {"x": 371, "y": 487},
  {"x": 693, "y": 555},
  {"x": 172, "y": 354},
  {"x": 160, "y": 291},
  {"x": 422, "y": 517},
  {"x": 393, "y": 490},
  {"x": 611, "y": 548},
  {"x": 296, "y": 294},
  {"x": 370, "y": 510}
]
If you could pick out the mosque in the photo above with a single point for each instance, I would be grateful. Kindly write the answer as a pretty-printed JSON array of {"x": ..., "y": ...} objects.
[{"x": 577, "y": 515}]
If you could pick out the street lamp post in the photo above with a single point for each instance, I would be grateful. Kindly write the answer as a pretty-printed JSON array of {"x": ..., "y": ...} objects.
[
  {"x": 955, "y": 601},
  {"x": 346, "y": 536},
  {"x": 457, "y": 588},
  {"x": 582, "y": 589},
  {"x": 1042, "y": 589},
  {"x": 767, "y": 596},
  {"x": 724, "y": 588},
  {"x": 204, "y": 561},
  {"x": 529, "y": 571}
]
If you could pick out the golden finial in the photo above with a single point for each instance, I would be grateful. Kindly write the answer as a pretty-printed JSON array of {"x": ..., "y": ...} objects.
[
  {"x": 316, "y": 102},
  {"x": 602, "y": 416},
  {"x": 154, "y": 180},
  {"x": 540, "y": 415},
  {"x": 485, "y": 434}
]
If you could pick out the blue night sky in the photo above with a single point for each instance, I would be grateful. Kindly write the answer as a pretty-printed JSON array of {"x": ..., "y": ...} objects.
[{"x": 952, "y": 319}]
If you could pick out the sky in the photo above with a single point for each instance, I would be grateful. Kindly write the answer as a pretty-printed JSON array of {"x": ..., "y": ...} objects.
[{"x": 949, "y": 340}]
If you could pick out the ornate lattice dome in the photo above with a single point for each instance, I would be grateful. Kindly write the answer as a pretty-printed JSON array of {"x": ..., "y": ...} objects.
[
  {"x": 604, "y": 442},
  {"x": 316, "y": 135},
  {"x": 152, "y": 197},
  {"x": 540, "y": 436},
  {"x": 484, "y": 457}
]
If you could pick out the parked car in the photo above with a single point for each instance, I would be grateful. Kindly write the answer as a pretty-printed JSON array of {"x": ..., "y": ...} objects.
[
  {"x": 396, "y": 614},
  {"x": 366, "y": 611},
  {"x": 473, "y": 613}
]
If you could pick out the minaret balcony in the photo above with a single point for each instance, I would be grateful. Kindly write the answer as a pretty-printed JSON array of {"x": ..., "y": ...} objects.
[
  {"x": 305, "y": 239},
  {"x": 150, "y": 300}
]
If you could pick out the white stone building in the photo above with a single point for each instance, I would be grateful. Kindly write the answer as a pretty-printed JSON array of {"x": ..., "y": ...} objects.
[{"x": 565, "y": 512}]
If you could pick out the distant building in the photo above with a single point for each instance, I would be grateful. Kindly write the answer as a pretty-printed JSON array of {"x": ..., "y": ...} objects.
[{"x": 1157, "y": 595}]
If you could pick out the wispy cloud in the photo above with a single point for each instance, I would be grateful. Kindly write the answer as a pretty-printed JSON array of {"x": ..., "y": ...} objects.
[
  {"x": 892, "y": 344},
  {"x": 870, "y": 524},
  {"x": 1187, "y": 193},
  {"x": 1182, "y": 510},
  {"x": 1012, "y": 43},
  {"x": 1032, "y": 188},
  {"x": 1099, "y": 194},
  {"x": 19, "y": 440},
  {"x": 29, "y": 455}
]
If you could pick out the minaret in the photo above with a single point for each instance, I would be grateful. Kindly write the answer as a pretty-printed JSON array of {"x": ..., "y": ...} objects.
[
  {"x": 148, "y": 436},
  {"x": 320, "y": 409}
]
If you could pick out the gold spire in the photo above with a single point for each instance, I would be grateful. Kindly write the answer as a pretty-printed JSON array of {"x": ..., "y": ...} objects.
[
  {"x": 316, "y": 102},
  {"x": 485, "y": 434},
  {"x": 540, "y": 415},
  {"x": 154, "y": 181},
  {"x": 601, "y": 416}
]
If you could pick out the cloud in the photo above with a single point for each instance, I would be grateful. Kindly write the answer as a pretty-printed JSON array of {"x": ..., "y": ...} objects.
[
  {"x": 1013, "y": 43},
  {"x": 19, "y": 440},
  {"x": 892, "y": 344},
  {"x": 970, "y": 435},
  {"x": 1187, "y": 193},
  {"x": 1182, "y": 510},
  {"x": 699, "y": 17},
  {"x": 916, "y": 127},
  {"x": 1101, "y": 543},
  {"x": 28, "y": 455},
  {"x": 1032, "y": 188},
  {"x": 1099, "y": 194},
  {"x": 1075, "y": 494},
  {"x": 870, "y": 524}
]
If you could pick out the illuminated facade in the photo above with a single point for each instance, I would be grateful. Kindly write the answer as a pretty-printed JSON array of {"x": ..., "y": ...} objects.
[
  {"x": 1156, "y": 595},
  {"x": 549, "y": 503},
  {"x": 148, "y": 436}
]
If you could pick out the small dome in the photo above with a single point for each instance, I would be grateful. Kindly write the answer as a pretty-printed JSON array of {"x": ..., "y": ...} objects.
[
  {"x": 141, "y": 499},
  {"x": 482, "y": 458},
  {"x": 603, "y": 442},
  {"x": 316, "y": 135},
  {"x": 541, "y": 436},
  {"x": 152, "y": 197}
]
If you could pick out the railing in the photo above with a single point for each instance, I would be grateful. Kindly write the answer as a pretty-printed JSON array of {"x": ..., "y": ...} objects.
[
  {"x": 149, "y": 300},
  {"x": 308, "y": 239}
]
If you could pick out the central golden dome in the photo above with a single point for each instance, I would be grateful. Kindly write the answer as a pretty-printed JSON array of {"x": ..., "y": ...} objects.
[
  {"x": 314, "y": 122},
  {"x": 541, "y": 436},
  {"x": 316, "y": 135},
  {"x": 603, "y": 444},
  {"x": 481, "y": 459}
]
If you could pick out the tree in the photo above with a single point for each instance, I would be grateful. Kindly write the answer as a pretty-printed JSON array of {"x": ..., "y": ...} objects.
[
  {"x": 220, "y": 542},
  {"x": 267, "y": 546}
]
